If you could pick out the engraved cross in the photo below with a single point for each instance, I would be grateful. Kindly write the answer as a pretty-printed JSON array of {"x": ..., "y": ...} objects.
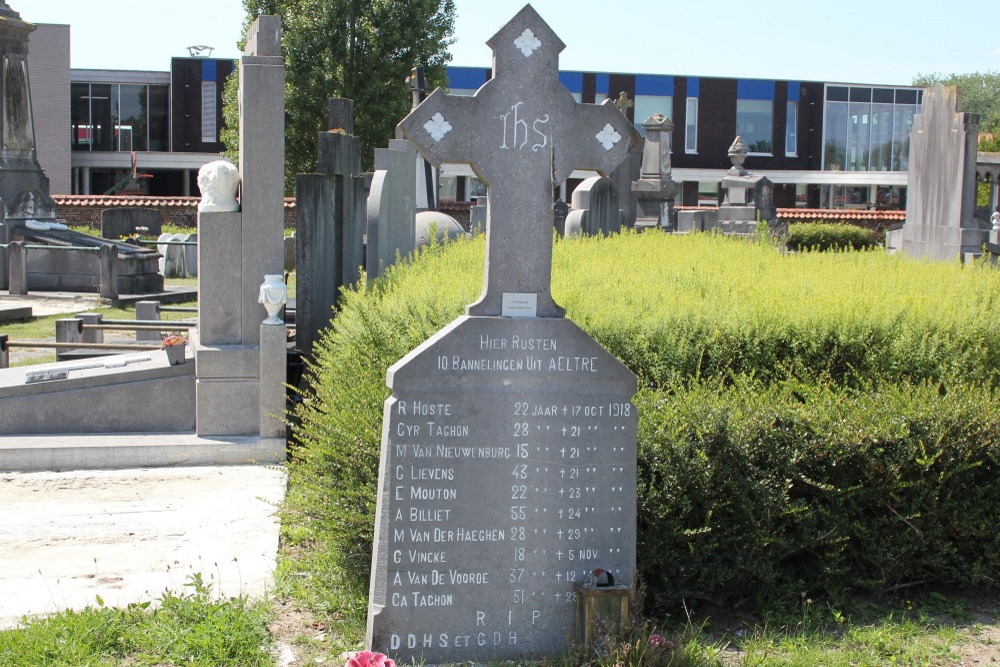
[{"x": 523, "y": 134}]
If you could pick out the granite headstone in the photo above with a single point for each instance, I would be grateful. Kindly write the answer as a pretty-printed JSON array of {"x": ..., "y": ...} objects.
[{"x": 508, "y": 462}]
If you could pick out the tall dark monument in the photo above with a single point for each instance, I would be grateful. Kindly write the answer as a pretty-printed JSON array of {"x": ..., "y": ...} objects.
[{"x": 23, "y": 187}]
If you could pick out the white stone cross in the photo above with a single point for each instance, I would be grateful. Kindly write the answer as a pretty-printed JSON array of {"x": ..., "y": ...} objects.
[{"x": 523, "y": 134}]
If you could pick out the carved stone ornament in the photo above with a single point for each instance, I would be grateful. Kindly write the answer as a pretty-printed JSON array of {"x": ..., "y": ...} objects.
[
  {"x": 273, "y": 296},
  {"x": 527, "y": 42},
  {"x": 608, "y": 137},
  {"x": 738, "y": 154},
  {"x": 218, "y": 182},
  {"x": 437, "y": 127}
]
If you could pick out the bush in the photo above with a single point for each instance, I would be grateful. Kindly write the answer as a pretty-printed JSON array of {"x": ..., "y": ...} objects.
[
  {"x": 762, "y": 494},
  {"x": 807, "y": 422},
  {"x": 820, "y": 236}
]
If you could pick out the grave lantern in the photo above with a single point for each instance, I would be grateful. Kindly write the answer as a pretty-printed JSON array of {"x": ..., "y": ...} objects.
[{"x": 601, "y": 607}]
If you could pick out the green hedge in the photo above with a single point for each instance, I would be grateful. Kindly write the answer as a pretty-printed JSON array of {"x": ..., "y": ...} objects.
[
  {"x": 818, "y": 421},
  {"x": 765, "y": 493},
  {"x": 820, "y": 236}
]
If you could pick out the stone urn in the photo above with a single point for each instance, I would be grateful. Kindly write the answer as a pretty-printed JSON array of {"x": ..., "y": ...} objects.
[{"x": 273, "y": 296}]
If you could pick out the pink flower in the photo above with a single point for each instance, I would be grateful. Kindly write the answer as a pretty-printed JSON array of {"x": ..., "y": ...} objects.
[
  {"x": 369, "y": 659},
  {"x": 657, "y": 641}
]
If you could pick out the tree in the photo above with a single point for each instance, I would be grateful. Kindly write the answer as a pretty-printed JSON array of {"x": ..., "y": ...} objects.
[
  {"x": 359, "y": 49},
  {"x": 980, "y": 94}
]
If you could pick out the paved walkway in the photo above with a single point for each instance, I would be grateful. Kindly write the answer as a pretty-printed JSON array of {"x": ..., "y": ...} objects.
[{"x": 126, "y": 535}]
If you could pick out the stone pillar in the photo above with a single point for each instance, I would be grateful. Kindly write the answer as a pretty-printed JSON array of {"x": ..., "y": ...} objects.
[
  {"x": 17, "y": 258},
  {"x": 262, "y": 165},
  {"x": 109, "y": 271},
  {"x": 96, "y": 335},
  {"x": 4, "y": 352},
  {"x": 273, "y": 365},
  {"x": 147, "y": 311},
  {"x": 68, "y": 330},
  {"x": 220, "y": 282}
]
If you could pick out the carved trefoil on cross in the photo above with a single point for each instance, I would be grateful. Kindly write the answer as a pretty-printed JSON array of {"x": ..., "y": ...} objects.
[{"x": 523, "y": 134}]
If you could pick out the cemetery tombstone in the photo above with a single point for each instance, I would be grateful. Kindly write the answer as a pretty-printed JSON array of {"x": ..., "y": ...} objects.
[
  {"x": 595, "y": 208},
  {"x": 118, "y": 223},
  {"x": 941, "y": 195},
  {"x": 391, "y": 208},
  {"x": 330, "y": 218},
  {"x": 508, "y": 461}
]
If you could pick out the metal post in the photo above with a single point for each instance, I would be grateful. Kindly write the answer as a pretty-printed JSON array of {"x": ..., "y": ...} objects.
[{"x": 4, "y": 352}]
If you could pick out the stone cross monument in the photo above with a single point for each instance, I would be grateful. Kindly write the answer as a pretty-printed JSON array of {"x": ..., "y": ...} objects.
[
  {"x": 523, "y": 134},
  {"x": 507, "y": 471}
]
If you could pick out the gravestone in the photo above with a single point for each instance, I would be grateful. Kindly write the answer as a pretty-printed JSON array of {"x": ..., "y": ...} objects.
[
  {"x": 329, "y": 223},
  {"x": 508, "y": 461},
  {"x": 240, "y": 360},
  {"x": 391, "y": 208},
  {"x": 941, "y": 195},
  {"x": 595, "y": 208},
  {"x": 748, "y": 199},
  {"x": 118, "y": 223},
  {"x": 443, "y": 226},
  {"x": 655, "y": 190},
  {"x": 624, "y": 175},
  {"x": 477, "y": 214}
]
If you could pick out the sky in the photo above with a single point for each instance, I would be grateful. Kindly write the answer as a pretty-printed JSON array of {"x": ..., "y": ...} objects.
[{"x": 855, "y": 41}]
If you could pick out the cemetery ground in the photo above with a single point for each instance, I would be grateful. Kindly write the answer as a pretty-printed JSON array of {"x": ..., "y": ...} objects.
[{"x": 818, "y": 455}]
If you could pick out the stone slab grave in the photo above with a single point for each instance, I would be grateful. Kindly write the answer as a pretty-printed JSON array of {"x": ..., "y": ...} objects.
[{"x": 508, "y": 460}]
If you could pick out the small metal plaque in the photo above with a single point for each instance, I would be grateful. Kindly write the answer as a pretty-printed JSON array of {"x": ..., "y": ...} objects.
[{"x": 516, "y": 304}]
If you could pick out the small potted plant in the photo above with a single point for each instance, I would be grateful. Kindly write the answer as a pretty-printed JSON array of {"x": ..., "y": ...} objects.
[{"x": 175, "y": 347}]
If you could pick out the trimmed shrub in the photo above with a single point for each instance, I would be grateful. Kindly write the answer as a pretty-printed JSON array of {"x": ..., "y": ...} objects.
[
  {"x": 762, "y": 494},
  {"x": 811, "y": 422},
  {"x": 821, "y": 236}
]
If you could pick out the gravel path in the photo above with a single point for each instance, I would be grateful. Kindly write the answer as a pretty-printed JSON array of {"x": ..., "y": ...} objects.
[{"x": 126, "y": 535}]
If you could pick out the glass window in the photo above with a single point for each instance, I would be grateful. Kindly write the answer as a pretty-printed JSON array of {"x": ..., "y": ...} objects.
[
  {"x": 835, "y": 131},
  {"x": 209, "y": 134},
  {"x": 646, "y": 105},
  {"x": 858, "y": 135},
  {"x": 708, "y": 193},
  {"x": 791, "y": 123},
  {"x": 132, "y": 123},
  {"x": 881, "y": 138},
  {"x": 102, "y": 126},
  {"x": 79, "y": 113},
  {"x": 902, "y": 124},
  {"x": 159, "y": 128},
  {"x": 871, "y": 132},
  {"x": 754, "y": 124},
  {"x": 691, "y": 126}
]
